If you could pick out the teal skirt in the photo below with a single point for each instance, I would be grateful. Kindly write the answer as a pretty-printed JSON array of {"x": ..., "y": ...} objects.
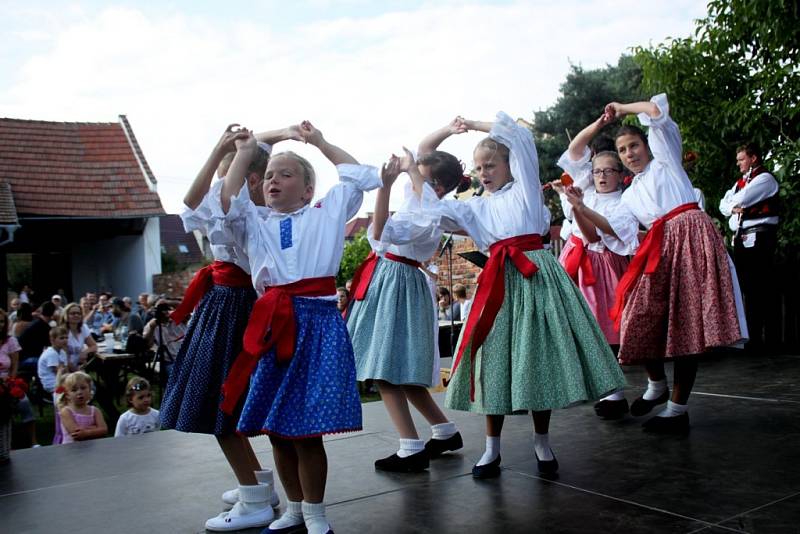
[
  {"x": 544, "y": 351},
  {"x": 392, "y": 328}
]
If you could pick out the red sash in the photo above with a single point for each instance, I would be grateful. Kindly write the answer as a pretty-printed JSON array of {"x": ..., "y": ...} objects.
[
  {"x": 491, "y": 292},
  {"x": 221, "y": 273},
  {"x": 578, "y": 259},
  {"x": 271, "y": 324},
  {"x": 645, "y": 261},
  {"x": 362, "y": 276}
]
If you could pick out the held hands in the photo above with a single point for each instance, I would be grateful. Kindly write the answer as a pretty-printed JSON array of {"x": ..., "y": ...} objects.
[
  {"x": 294, "y": 133},
  {"x": 457, "y": 126},
  {"x": 390, "y": 171},
  {"x": 310, "y": 134},
  {"x": 613, "y": 111},
  {"x": 407, "y": 162},
  {"x": 229, "y": 137},
  {"x": 246, "y": 142}
]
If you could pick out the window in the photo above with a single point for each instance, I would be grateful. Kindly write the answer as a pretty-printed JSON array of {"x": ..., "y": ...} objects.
[{"x": 183, "y": 248}]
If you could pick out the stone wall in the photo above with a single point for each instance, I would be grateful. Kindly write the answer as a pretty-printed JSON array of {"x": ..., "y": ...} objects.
[{"x": 172, "y": 285}]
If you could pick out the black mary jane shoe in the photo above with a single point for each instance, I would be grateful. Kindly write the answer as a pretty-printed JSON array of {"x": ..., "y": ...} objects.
[
  {"x": 547, "y": 468},
  {"x": 642, "y": 406},
  {"x": 490, "y": 470},
  {"x": 677, "y": 425},
  {"x": 611, "y": 409},
  {"x": 410, "y": 464},
  {"x": 294, "y": 529},
  {"x": 436, "y": 447}
]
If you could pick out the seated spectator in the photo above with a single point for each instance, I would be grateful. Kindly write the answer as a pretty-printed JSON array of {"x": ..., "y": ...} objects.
[
  {"x": 343, "y": 302},
  {"x": 462, "y": 303},
  {"x": 127, "y": 325},
  {"x": 165, "y": 336},
  {"x": 80, "y": 342},
  {"x": 140, "y": 417},
  {"x": 102, "y": 318},
  {"x": 445, "y": 304},
  {"x": 25, "y": 294},
  {"x": 12, "y": 312},
  {"x": 59, "y": 304},
  {"x": 35, "y": 338},
  {"x": 53, "y": 359},
  {"x": 142, "y": 307},
  {"x": 23, "y": 319},
  {"x": 9, "y": 360},
  {"x": 80, "y": 421}
]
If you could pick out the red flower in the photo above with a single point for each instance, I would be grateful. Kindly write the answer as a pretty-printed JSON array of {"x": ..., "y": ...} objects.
[{"x": 17, "y": 392}]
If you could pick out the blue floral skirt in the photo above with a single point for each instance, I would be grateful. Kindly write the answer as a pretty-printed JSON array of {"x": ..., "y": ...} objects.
[{"x": 315, "y": 392}]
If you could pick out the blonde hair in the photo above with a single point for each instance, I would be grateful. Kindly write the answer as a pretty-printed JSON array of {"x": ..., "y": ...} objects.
[
  {"x": 497, "y": 148},
  {"x": 309, "y": 176},
  {"x": 135, "y": 385},
  {"x": 70, "y": 380},
  {"x": 63, "y": 319},
  {"x": 58, "y": 331}
]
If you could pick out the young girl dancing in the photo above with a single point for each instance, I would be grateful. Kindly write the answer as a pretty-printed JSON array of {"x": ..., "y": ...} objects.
[
  {"x": 594, "y": 259},
  {"x": 140, "y": 417},
  {"x": 678, "y": 298},
  {"x": 390, "y": 324},
  {"x": 296, "y": 343},
  {"x": 80, "y": 420},
  {"x": 223, "y": 297},
  {"x": 530, "y": 341}
]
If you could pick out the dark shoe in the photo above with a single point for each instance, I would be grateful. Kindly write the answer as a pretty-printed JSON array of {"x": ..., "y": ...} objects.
[
  {"x": 436, "y": 447},
  {"x": 490, "y": 470},
  {"x": 294, "y": 529},
  {"x": 678, "y": 425},
  {"x": 547, "y": 468},
  {"x": 611, "y": 409},
  {"x": 410, "y": 464},
  {"x": 643, "y": 407}
]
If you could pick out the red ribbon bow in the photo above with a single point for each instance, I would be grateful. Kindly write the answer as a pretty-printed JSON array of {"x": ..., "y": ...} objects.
[
  {"x": 490, "y": 293},
  {"x": 222, "y": 273},
  {"x": 271, "y": 324},
  {"x": 645, "y": 261},
  {"x": 362, "y": 277},
  {"x": 577, "y": 259}
]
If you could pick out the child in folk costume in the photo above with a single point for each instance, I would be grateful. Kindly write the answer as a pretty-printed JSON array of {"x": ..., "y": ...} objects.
[
  {"x": 223, "y": 296},
  {"x": 530, "y": 341},
  {"x": 594, "y": 259},
  {"x": 679, "y": 297},
  {"x": 296, "y": 344},
  {"x": 392, "y": 317}
]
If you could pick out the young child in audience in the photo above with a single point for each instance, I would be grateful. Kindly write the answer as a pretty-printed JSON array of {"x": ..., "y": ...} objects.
[
  {"x": 80, "y": 421},
  {"x": 53, "y": 359},
  {"x": 140, "y": 417},
  {"x": 296, "y": 344}
]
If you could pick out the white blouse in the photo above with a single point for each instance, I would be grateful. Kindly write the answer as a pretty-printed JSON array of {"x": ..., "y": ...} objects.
[
  {"x": 516, "y": 209},
  {"x": 606, "y": 204},
  {"x": 759, "y": 188},
  {"x": 408, "y": 232},
  {"x": 202, "y": 219},
  {"x": 663, "y": 185},
  {"x": 308, "y": 243}
]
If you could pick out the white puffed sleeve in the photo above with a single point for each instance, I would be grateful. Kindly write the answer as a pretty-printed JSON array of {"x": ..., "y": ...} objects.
[
  {"x": 201, "y": 217},
  {"x": 349, "y": 192},
  {"x": 626, "y": 228},
  {"x": 581, "y": 172},
  {"x": 523, "y": 160},
  {"x": 238, "y": 227},
  {"x": 664, "y": 136}
]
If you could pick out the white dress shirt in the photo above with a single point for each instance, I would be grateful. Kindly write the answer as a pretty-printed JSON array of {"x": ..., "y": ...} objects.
[{"x": 758, "y": 188}]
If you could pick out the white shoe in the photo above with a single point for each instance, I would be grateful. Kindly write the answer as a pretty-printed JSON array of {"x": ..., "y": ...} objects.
[
  {"x": 232, "y": 497},
  {"x": 237, "y": 519}
]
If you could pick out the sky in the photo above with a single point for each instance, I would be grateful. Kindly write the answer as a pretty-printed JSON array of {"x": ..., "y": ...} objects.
[{"x": 372, "y": 76}]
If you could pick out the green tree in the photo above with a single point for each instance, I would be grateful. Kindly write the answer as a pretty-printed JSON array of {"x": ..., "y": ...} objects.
[
  {"x": 736, "y": 80},
  {"x": 355, "y": 251}
]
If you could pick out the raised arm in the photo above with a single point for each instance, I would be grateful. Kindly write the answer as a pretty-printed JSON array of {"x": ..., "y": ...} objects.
[
  {"x": 389, "y": 172},
  {"x": 578, "y": 145},
  {"x": 246, "y": 149},
  {"x": 615, "y": 110},
  {"x": 272, "y": 137},
  {"x": 335, "y": 155},
  {"x": 432, "y": 141},
  {"x": 202, "y": 182}
]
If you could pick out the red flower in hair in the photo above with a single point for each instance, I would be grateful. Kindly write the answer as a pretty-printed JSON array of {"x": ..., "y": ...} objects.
[{"x": 690, "y": 156}]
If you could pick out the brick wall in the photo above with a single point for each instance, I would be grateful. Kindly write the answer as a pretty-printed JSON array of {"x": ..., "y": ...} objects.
[{"x": 172, "y": 285}]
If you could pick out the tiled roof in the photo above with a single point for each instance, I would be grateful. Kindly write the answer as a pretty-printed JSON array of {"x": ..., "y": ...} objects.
[
  {"x": 8, "y": 213},
  {"x": 174, "y": 240},
  {"x": 72, "y": 169}
]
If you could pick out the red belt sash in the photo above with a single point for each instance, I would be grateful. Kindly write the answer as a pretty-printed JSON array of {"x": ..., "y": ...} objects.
[
  {"x": 271, "y": 324},
  {"x": 362, "y": 276},
  {"x": 221, "y": 273},
  {"x": 491, "y": 292},
  {"x": 577, "y": 259},
  {"x": 645, "y": 261}
]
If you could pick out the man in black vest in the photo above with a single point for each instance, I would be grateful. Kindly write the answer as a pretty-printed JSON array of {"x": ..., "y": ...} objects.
[{"x": 752, "y": 206}]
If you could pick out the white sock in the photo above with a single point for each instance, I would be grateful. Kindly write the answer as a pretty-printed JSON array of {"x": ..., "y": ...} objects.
[
  {"x": 409, "y": 447},
  {"x": 443, "y": 430},
  {"x": 253, "y": 498},
  {"x": 291, "y": 517},
  {"x": 314, "y": 516},
  {"x": 492, "y": 450},
  {"x": 673, "y": 409},
  {"x": 617, "y": 395},
  {"x": 541, "y": 444},
  {"x": 655, "y": 389},
  {"x": 265, "y": 476}
]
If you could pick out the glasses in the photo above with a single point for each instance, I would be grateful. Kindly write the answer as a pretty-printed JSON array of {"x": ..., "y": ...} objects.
[{"x": 605, "y": 172}]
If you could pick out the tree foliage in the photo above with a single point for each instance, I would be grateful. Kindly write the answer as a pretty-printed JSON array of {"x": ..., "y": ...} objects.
[
  {"x": 355, "y": 252},
  {"x": 736, "y": 80}
]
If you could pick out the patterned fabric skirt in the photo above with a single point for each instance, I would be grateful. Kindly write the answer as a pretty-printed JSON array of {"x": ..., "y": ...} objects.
[
  {"x": 391, "y": 328},
  {"x": 544, "y": 351},
  {"x": 688, "y": 305},
  {"x": 315, "y": 392},
  {"x": 608, "y": 268},
  {"x": 213, "y": 340}
]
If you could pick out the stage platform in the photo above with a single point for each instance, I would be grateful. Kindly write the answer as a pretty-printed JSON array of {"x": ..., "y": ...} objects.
[{"x": 737, "y": 471}]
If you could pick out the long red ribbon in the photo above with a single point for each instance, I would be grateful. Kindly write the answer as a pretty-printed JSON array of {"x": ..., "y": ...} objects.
[
  {"x": 577, "y": 259},
  {"x": 362, "y": 277},
  {"x": 221, "y": 273},
  {"x": 271, "y": 324},
  {"x": 645, "y": 261},
  {"x": 490, "y": 293}
]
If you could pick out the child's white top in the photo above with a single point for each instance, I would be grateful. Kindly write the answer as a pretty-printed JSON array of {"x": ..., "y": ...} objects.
[
  {"x": 308, "y": 243},
  {"x": 409, "y": 232},
  {"x": 50, "y": 358},
  {"x": 516, "y": 209},
  {"x": 663, "y": 185},
  {"x": 131, "y": 423},
  {"x": 201, "y": 219},
  {"x": 606, "y": 204}
]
